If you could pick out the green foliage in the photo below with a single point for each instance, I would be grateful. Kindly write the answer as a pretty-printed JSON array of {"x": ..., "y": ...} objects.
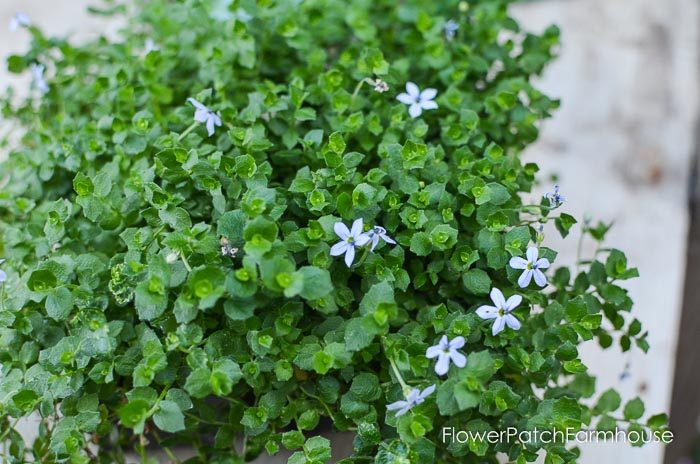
[{"x": 176, "y": 286}]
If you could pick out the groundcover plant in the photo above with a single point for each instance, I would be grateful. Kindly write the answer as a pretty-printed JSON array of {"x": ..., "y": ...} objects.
[{"x": 234, "y": 224}]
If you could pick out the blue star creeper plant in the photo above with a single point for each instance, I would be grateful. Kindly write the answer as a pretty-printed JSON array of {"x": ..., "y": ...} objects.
[{"x": 292, "y": 255}]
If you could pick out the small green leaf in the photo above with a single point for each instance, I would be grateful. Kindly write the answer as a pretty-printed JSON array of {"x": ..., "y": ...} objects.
[
  {"x": 134, "y": 414},
  {"x": 634, "y": 409},
  {"x": 168, "y": 417},
  {"x": 322, "y": 362},
  {"x": 336, "y": 143},
  {"x": 658, "y": 421},
  {"x": 564, "y": 223},
  {"x": 477, "y": 282},
  {"x": 59, "y": 304},
  {"x": 421, "y": 244},
  {"x": 316, "y": 283}
]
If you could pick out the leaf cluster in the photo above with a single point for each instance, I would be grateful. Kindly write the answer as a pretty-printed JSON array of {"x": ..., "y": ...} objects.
[{"x": 121, "y": 321}]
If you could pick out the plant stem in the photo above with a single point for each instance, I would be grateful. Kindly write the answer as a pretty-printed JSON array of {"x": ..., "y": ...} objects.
[
  {"x": 533, "y": 209},
  {"x": 185, "y": 262},
  {"x": 154, "y": 408},
  {"x": 365, "y": 253},
  {"x": 167, "y": 450},
  {"x": 317, "y": 398},
  {"x": 579, "y": 248},
  {"x": 142, "y": 448},
  {"x": 10, "y": 427},
  {"x": 357, "y": 90},
  {"x": 399, "y": 377},
  {"x": 404, "y": 386},
  {"x": 187, "y": 131},
  {"x": 217, "y": 423},
  {"x": 296, "y": 418},
  {"x": 153, "y": 237}
]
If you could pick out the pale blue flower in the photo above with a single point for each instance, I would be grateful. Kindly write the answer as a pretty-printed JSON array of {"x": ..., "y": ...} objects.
[
  {"x": 625, "y": 374},
  {"x": 3, "y": 275},
  {"x": 446, "y": 352},
  {"x": 376, "y": 233},
  {"x": 416, "y": 100},
  {"x": 531, "y": 268},
  {"x": 18, "y": 20},
  {"x": 500, "y": 312},
  {"x": 450, "y": 29},
  {"x": 414, "y": 398},
  {"x": 555, "y": 198},
  {"x": 205, "y": 115},
  {"x": 221, "y": 11},
  {"x": 37, "y": 71},
  {"x": 149, "y": 46},
  {"x": 350, "y": 239},
  {"x": 242, "y": 15}
]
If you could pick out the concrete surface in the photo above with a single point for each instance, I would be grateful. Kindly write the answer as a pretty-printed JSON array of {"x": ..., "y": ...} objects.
[
  {"x": 56, "y": 17},
  {"x": 620, "y": 144}
]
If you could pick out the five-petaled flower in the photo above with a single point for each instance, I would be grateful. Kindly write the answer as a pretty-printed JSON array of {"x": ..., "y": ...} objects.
[
  {"x": 205, "y": 115},
  {"x": 416, "y": 100},
  {"x": 38, "y": 77},
  {"x": 376, "y": 233},
  {"x": 349, "y": 240},
  {"x": 531, "y": 268},
  {"x": 414, "y": 398},
  {"x": 19, "y": 20},
  {"x": 3, "y": 275},
  {"x": 501, "y": 311},
  {"x": 446, "y": 351},
  {"x": 555, "y": 198},
  {"x": 450, "y": 29}
]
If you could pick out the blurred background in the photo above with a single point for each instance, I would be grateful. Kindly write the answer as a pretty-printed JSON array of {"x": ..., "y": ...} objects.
[{"x": 623, "y": 148}]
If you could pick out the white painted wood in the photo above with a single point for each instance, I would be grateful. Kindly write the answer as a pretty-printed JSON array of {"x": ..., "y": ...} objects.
[{"x": 621, "y": 145}]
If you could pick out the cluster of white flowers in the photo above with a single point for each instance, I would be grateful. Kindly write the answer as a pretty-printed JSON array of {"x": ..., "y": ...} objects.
[
  {"x": 447, "y": 351},
  {"x": 353, "y": 238},
  {"x": 3, "y": 275}
]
